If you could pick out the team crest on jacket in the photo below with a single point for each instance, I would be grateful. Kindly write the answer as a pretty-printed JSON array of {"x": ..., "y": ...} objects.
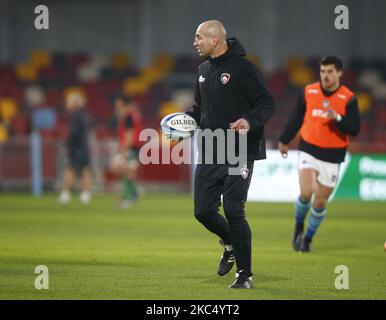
[
  {"x": 225, "y": 78},
  {"x": 244, "y": 172},
  {"x": 326, "y": 104}
]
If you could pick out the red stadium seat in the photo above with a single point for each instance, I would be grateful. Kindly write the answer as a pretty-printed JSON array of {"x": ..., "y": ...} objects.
[{"x": 20, "y": 125}]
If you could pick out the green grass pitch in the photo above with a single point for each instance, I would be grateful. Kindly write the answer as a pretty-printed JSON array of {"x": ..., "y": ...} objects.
[{"x": 157, "y": 250}]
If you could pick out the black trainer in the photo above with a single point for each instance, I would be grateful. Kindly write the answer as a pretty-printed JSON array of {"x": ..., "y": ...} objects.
[
  {"x": 226, "y": 262},
  {"x": 242, "y": 282},
  {"x": 306, "y": 245},
  {"x": 297, "y": 237}
]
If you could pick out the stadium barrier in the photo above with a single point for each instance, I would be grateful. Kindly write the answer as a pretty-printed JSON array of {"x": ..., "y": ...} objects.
[
  {"x": 16, "y": 171},
  {"x": 361, "y": 177}
]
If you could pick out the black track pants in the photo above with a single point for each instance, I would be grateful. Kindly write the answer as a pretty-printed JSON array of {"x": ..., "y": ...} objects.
[{"x": 212, "y": 181}]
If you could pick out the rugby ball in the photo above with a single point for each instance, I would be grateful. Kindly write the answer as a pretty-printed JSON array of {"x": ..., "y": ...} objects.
[{"x": 178, "y": 126}]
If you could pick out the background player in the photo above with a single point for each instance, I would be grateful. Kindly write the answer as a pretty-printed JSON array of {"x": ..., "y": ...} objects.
[
  {"x": 126, "y": 163},
  {"x": 77, "y": 149},
  {"x": 326, "y": 114}
]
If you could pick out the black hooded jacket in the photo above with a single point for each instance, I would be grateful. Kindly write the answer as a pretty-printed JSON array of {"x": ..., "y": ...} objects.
[{"x": 230, "y": 87}]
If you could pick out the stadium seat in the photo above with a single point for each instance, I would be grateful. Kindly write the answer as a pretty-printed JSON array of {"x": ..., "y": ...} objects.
[
  {"x": 120, "y": 61},
  {"x": 163, "y": 62},
  {"x": 350, "y": 79},
  {"x": 40, "y": 58},
  {"x": 301, "y": 76},
  {"x": 8, "y": 109},
  {"x": 87, "y": 72},
  {"x": 278, "y": 83},
  {"x": 20, "y": 125},
  {"x": 294, "y": 63},
  {"x": 380, "y": 118},
  {"x": 369, "y": 78},
  {"x": 254, "y": 59},
  {"x": 379, "y": 91},
  {"x": 134, "y": 86},
  {"x": 364, "y": 102},
  {"x": 167, "y": 108},
  {"x": 54, "y": 97},
  {"x": 166, "y": 86},
  {"x": 79, "y": 58},
  {"x": 34, "y": 96},
  {"x": 3, "y": 134},
  {"x": 151, "y": 75},
  {"x": 26, "y": 72}
]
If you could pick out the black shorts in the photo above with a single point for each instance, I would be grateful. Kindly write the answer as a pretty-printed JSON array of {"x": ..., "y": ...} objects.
[{"x": 78, "y": 158}]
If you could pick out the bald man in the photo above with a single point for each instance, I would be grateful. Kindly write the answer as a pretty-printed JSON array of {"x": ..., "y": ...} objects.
[
  {"x": 77, "y": 150},
  {"x": 230, "y": 95}
]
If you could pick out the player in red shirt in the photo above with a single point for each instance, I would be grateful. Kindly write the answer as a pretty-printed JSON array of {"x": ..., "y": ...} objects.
[{"x": 125, "y": 163}]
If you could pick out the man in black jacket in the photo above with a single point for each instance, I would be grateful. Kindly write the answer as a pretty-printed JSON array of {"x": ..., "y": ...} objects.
[{"x": 230, "y": 95}]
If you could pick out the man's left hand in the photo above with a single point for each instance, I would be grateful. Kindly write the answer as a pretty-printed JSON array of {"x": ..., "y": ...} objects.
[
  {"x": 333, "y": 115},
  {"x": 241, "y": 126}
]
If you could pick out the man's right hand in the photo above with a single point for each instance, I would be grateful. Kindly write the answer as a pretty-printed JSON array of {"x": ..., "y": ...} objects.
[{"x": 283, "y": 148}]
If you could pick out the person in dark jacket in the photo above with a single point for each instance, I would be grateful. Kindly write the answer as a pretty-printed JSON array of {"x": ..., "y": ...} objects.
[
  {"x": 230, "y": 95},
  {"x": 77, "y": 149}
]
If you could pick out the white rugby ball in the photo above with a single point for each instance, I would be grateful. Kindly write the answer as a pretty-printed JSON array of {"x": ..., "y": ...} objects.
[{"x": 178, "y": 126}]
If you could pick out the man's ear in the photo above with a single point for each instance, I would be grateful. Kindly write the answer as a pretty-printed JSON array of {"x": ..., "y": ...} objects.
[{"x": 215, "y": 42}]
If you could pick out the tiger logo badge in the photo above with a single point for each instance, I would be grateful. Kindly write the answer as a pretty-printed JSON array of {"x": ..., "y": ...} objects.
[
  {"x": 225, "y": 77},
  {"x": 244, "y": 172}
]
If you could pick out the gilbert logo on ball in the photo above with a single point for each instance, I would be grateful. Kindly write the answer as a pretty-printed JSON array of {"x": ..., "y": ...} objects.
[
  {"x": 183, "y": 123},
  {"x": 178, "y": 126},
  {"x": 225, "y": 77}
]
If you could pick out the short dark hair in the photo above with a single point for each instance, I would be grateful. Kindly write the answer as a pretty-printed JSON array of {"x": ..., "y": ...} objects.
[
  {"x": 337, "y": 62},
  {"x": 124, "y": 98}
]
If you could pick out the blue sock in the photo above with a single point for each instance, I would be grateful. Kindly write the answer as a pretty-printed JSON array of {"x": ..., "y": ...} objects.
[
  {"x": 314, "y": 221},
  {"x": 301, "y": 210}
]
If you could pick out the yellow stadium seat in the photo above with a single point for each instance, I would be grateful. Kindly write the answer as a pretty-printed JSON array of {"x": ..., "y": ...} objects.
[
  {"x": 3, "y": 134},
  {"x": 151, "y": 75},
  {"x": 294, "y": 63},
  {"x": 120, "y": 61},
  {"x": 134, "y": 86},
  {"x": 364, "y": 101},
  {"x": 168, "y": 107},
  {"x": 254, "y": 59},
  {"x": 8, "y": 109},
  {"x": 26, "y": 72},
  {"x": 40, "y": 58},
  {"x": 163, "y": 62},
  {"x": 301, "y": 76}
]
